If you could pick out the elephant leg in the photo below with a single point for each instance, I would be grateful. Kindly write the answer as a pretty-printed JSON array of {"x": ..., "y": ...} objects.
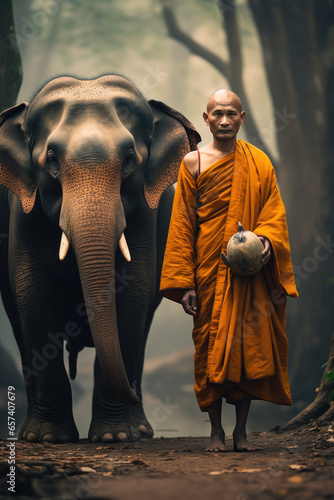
[
  {"x": 111, "y": 420},
  {"x": 5, "y": 288},
  {"x": 138, "y": 415},
  {"x": 11, "y": 311},
  {"x": 49, "y": 416}
]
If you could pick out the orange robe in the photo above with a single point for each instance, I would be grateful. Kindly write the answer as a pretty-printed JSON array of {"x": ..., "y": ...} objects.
[{"x": 241, "y": 347}]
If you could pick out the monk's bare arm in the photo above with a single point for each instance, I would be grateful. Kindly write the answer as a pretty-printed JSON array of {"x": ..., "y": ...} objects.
[
  {"x": 191, "y": 163},
  {"x": 188, "y": 299}
]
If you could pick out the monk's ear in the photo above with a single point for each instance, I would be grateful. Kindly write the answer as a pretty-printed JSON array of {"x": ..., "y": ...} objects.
[
  {"x": 243, "y": 116},
  {"x": 173, "y": 137},
  {"x": 16, "y": 168}
]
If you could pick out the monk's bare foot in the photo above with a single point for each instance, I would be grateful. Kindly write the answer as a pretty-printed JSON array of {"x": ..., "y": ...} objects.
[
  {"x": 241, "y": 444},
  {"x": 217, "y": 443}
]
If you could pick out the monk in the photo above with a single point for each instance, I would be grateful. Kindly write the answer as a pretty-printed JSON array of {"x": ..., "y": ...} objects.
[{"x": 239, "y": 334}]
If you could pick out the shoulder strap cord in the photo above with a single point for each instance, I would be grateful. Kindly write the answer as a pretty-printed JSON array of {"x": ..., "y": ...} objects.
[{"x": 199, "y": 163}]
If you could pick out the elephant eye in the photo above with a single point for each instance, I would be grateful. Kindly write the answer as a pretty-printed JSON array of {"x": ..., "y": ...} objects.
[
  {"x": 128, "y": 160},
  {"x": 52, "y": 163}
]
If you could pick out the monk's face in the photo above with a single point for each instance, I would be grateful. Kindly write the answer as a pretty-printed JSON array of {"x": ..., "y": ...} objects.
[{"x": 224, "y": 115}]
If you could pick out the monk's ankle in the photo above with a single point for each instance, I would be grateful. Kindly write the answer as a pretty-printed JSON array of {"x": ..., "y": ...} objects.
[
  {"x": 239, "y": 434},
  {"x": 220, "y": 434}
]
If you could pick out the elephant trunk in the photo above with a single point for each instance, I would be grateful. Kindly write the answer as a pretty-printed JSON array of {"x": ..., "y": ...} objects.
[{"x": 94, "y": 230}]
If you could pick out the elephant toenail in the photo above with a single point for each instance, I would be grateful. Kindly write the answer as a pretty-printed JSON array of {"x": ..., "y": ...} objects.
[
  {"x": 122, "y": 436},
  {"x": 31, "y": 437},
  {"x": 94, "y": 438},
  {"x": 108, "y": 438},
  {"x": 65, "y": 438},
  {"x": 49, "y": 438}
]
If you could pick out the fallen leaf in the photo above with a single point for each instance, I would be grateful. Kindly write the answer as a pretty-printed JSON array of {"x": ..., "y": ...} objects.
[
  {"x": 87, "y": 469},
  {"x": 297, "y": 467},
  {"x": 236, "y": 469},
  {"x": 331, "y": 439}
]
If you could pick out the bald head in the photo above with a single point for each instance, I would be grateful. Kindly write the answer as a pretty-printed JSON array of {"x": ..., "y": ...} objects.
[
  {"x": 224, "y": 97},
  {"x": 224, "y": 116}
]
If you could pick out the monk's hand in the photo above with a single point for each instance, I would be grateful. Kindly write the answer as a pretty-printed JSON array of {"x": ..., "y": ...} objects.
[
  {"x": 188, "y": 302},
  {"x": 266, "y": 254}
]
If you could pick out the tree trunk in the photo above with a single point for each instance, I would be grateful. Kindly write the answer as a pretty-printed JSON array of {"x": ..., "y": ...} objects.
[{"x": 10, "y": 68}]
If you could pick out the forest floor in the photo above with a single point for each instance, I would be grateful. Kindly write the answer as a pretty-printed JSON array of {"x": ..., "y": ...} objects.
[{"x": 291, "y": 465}]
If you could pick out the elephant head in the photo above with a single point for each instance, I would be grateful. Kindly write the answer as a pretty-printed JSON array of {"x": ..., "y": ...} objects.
[{"x": 88, "y": 150}]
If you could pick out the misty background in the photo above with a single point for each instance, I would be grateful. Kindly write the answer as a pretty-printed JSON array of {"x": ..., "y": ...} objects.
[{"x": 87, "y": 39}]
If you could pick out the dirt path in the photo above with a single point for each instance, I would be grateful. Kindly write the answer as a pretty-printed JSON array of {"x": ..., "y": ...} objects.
[{"x": 297, "y": 465}]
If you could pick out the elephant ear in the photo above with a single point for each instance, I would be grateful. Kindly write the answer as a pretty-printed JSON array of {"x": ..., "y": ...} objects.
[
  {"x": 173, "y": 137},
  {"x": 16, "y": 169}
]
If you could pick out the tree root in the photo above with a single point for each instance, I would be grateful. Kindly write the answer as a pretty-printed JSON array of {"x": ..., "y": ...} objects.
[{"x": 319, "y": 412}]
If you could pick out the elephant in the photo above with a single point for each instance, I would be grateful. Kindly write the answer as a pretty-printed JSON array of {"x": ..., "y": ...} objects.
[{"x": 86, "y": 171}]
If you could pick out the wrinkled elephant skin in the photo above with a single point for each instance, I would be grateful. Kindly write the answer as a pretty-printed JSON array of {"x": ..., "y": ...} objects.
[{"x": 86, "y": 174}]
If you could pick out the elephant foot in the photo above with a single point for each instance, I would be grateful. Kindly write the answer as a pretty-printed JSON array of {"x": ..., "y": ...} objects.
[
  {"x": 34, "y": 431},
  {"x": 140, "y": 421},
  {"x": 112, "y": 432}
]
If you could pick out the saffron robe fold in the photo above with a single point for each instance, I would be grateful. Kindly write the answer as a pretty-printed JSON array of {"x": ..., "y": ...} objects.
[{"x": 241, "y": 347}]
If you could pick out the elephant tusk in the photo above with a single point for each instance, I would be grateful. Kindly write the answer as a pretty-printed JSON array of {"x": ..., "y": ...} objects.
[
  {"x": 123, "y": 246},
  {"x": 64, "y": 246}
]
